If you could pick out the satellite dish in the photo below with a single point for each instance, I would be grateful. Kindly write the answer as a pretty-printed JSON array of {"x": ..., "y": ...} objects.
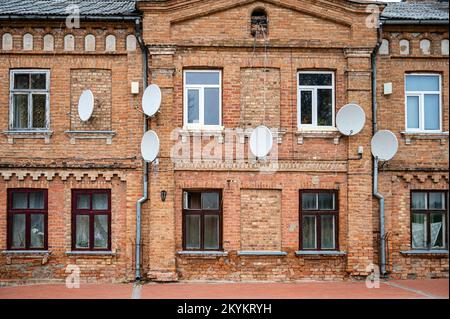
[
  {"x": 350, "y": 119},
  {"x": 151, "y": 100},
  {"x": 384, "y": 145},
  {"x": 150, "y": 146},
  {"x": 261, "y": 141},
  {"x": 86, "y": 105}
]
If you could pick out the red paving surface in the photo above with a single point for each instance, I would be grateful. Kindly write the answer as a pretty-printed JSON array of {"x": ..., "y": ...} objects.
[{"x": 405, "y": 289}]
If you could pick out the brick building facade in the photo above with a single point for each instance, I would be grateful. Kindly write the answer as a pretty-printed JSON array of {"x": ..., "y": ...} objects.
[{"x": 214, "y": 211}]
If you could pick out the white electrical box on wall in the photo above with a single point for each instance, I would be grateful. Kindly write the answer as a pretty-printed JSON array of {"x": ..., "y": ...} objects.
[
  {"x": 134, "y": 87},
  {"x": 387, "y": 88}
]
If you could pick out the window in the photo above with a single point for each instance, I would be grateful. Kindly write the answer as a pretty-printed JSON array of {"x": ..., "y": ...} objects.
[
  {"x": 69, "y": 42},
  {"x": 91, "y": 220},
  {"x": 423, "y": 102},
  {"x": 259, "y": 23},
  {"x": 29, "y": 99},
  {"x": 315, "y": 99},
  {"x": 202, "y": 220},
  {"x": 27, "y": 42},
  {"x": 27, "y": 219},
  {"x": 429, "y": 219},
  {"x": 202, "y": 99},
  {"x": 319, "y": 220}
]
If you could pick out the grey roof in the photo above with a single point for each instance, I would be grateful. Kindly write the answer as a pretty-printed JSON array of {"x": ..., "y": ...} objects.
[
  {"x": 416, "y": 11},
  {"x": 58, "y": 7}
]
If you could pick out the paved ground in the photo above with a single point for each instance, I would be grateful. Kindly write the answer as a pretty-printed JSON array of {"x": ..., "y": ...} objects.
[{"x": 404, "y": 289}]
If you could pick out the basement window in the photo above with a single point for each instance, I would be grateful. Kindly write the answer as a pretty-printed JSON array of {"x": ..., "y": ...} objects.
[{"x": 259, "y": 23}]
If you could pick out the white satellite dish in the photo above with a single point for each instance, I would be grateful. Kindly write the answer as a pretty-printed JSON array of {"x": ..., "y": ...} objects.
[
  {"x": 261, "y": 141},
  {"x": 151, "y": 100},
  {"x": 350, "y": 119},
  {"x": 86, "y": 105},
  {"x": 150, "y": 146},
  {"x": 384, "y": 145}
]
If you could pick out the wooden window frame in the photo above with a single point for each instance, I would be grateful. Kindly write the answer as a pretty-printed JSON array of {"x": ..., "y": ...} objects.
[
  {"x": 27, "y": 212},
  {"x": 91, "y": 213},
  {"x": 319, "y": 213},
  {"x": 29, "y": 92},
  {"x": 202, "y": 213},
  {"x": 428, "y": 212}
]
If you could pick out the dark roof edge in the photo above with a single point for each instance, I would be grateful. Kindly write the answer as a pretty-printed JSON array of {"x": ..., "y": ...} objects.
[
  {"x": 414, "y": 22},
  {"x": 63, "y": 17}
]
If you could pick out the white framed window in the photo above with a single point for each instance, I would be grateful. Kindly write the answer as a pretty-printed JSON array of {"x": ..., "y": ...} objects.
[
  {"x": 29, "y": 100},
  {"x": 316, "y": 100},
  {"x": 423, "y": 100},
  {"x": 203, "y": 99}
]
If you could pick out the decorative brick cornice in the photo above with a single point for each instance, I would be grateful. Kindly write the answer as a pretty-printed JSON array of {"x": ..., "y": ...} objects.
[
  {"x": 297, "y": 166},
  {"x": 420, "y": 177},
  {"x": 49, "y": 175}
]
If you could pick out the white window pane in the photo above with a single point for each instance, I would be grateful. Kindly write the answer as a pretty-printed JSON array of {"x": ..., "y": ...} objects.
[
  {"x": 324, "y": 107},
  {"x": 311, "y": 79},
  {"x": 309, "y": 201},
  {"x": 327, "y": 232},
  {"x": 309, "y": 232},
  {"x": 432, "y": 117},
  {"x": 100, "y": 231},
  {"x": 37, "y": 234},
  {"x": 20, "y": 111},
  {"x": 39, "y": 102},
  {"x": 36, "y": 200},
  {"x": 419, "y": 200},
  {"x": 211, "y": 232},
  {"x": 82, "y": 233},
  {"x": 210, "y": 201},
  {"x": 437, "y": 230},
  {"x": 18, "y": 231},
  {"x": 192, "y": 231},
  {"x": 20, "y": 200},
  {"x": 100, "y": 201},
  {"x": 212, "y": 106},
  {"x": 326, "y": 201},
  {"x": 419, "y": 231},
  {"x": 436, "y": 201},
  {"x": 306, "y": 107},
  {"x": 208, "y": 78},
  {"x": 193, "y": 106},
  {"x": 422, "y": 83},
  {"x": 412, "y": 111},
  {"x": 83, "y": 201}
]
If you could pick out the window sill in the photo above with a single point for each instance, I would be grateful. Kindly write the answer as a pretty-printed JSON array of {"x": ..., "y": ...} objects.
[
  {"x": 216, "y": 131},
  {"x": 91, "y": 253},
  {"x": 28, "y": 134},
  {"x": 201, "y": 254},
  {"x": 261, "y": 253},
  {"x": 320, "y": 253},
  {"x": 106, "y": 135},
  {"x": 324, "y": 133},
  {"x": 409, "y": 136},
  {"x": 44, "y": 255},
  {"x": 425, "y": 253}
]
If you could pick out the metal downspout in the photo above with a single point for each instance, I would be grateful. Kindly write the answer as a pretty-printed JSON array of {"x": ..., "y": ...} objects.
[
  {"x": 380, "y": 197},
  {"x": 144, "y": 197}
]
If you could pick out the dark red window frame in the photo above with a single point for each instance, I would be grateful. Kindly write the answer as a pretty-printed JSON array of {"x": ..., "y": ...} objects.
[
  {"x": 202, "y": 213},
  {"x": 319, "y": 213},
  {"x": 428, "y": 212},
  {"x": 27, "y": 212},
  {"x": 91, "y": 213}
]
